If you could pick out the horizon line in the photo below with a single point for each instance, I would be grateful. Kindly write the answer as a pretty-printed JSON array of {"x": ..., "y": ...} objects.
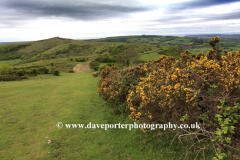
[{"x": 178, "y": 35}]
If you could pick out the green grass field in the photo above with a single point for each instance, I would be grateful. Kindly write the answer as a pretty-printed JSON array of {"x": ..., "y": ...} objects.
[
  {"x": 30, "y": 110},
  {"x": 150, "y": 56}
]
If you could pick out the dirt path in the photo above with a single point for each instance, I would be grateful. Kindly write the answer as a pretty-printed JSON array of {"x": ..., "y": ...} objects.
[
  {"x": 86, "y": 68},
  {"x": 79, "y": 69},
  {"x": 76, "y": 69}
]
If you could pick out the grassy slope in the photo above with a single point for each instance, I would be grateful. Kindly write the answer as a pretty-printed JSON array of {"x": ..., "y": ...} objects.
[
  {"x": 64, "y": 65},
  {"x": 30, "y": 109},
  {"x": 45, "y": 50},
  {"x": 10, "y": 62}
]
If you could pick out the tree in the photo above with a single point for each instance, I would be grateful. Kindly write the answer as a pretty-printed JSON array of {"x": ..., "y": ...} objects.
[{"x": 127, "y": 57}]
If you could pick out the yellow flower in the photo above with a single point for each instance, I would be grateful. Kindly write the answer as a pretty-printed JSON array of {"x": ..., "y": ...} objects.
[{"x": 132, "y": 109}]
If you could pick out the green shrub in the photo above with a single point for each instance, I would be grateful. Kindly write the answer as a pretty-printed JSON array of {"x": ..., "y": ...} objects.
[
  {"x": 110, "y": 64},
  {"x": 5, "y": 69},
  {"x": 56, "y": 72},
  {"x": 9, "y": 77},
  {"x": 141, "y": 61},
  {"x": 81, "y": 60},
  {"x": 95, "y": 65},
  {"x": 43, "y": 70},
  {"x": 34, "y": 71},
  {"x": 104, "y": 59},
  {"x": 39, "y": 70},
  {"x": 102, "y": 67},
  {"x": 46, "y": 71},
  {"x": 20, "y": 72}
]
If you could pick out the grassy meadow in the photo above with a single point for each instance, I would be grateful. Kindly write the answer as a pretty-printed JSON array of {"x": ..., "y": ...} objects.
[{"x": 30, "y": 110}]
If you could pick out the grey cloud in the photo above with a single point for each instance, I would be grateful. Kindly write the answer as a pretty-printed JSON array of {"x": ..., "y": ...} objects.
[
  {"x": 175, "y": 18},
  {"x": 197, "y": 4},
  {"x": 81, "y": 10},
  {"x": 229, "y": 16}
]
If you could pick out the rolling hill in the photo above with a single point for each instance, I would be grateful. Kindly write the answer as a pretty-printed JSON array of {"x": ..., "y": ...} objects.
[{"x": 61, "y": 48}]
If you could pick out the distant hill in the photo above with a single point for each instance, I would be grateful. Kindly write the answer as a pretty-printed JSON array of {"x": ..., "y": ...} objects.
[
  {"x": 131, "y": 38},
  {"x": 3, "y": 43},
  {"x": 222, "y": 36}
]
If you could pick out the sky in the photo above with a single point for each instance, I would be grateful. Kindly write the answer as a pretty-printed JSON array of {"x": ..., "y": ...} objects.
[{"x": 30, "y": 20}]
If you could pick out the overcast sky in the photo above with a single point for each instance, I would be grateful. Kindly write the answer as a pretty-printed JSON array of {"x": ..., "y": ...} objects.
[{"x": 27, "y": 20}]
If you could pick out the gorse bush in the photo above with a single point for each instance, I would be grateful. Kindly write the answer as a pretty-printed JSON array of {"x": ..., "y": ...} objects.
[
  {"x": 95, "y": 74},
  {"x": 167, "y": 89},
  {"x": 104, "y": 66}
]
